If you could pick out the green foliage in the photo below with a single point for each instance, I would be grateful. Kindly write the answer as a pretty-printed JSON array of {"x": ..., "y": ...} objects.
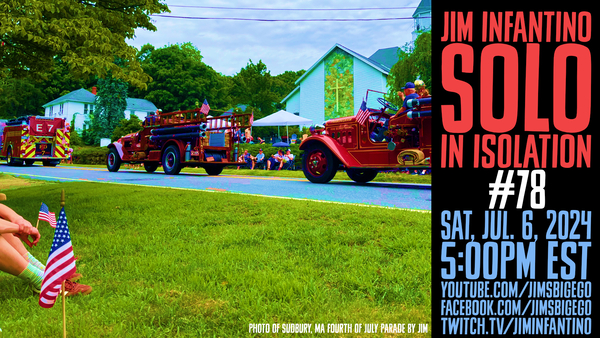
[
  {"x": 88, "y": 135},
  {"x": 89, "y": 155},
  {"x": 283, "y": 84},
  {"x": 20, "y": 97},
  {"x": 75, "y": 139},
  {"x": 411, "y": 65},
  {"x": 61, "y": 82},
  {"x": 111, "y": 101},
  {"x": 252, "y": 86},
  {"x": 127, "y": 126},
  {"x": 180, "y": 78},
  {"x": 88, "y": 35},
  {"x": 26, "y": 96}
]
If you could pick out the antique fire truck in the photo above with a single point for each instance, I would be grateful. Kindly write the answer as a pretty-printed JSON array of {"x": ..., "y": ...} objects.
[
  {"x": 180, "y": 139},
  {"x": 382, "y": 142},
  {"x": 34, "y": 138}
]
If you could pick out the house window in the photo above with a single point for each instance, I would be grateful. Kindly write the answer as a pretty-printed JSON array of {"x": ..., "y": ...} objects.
[
  {"x": 60, "y": 109},
  {"x": 88, "y": 108}
]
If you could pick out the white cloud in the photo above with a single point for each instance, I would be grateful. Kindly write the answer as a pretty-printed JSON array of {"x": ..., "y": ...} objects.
[{"x": 228, "y": 45}]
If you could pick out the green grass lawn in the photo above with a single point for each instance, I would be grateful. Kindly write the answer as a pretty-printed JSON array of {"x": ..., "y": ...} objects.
[{"x": 166, "y": 262}]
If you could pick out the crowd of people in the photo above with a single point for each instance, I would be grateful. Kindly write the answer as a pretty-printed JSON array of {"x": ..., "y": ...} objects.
[{"x": 277, "y": 161}]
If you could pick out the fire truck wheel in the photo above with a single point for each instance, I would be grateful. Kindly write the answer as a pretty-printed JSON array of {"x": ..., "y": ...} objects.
[
  {"x": 319, "y": 164},
  {"x": 361, "y": 175},
  {"x": 10, "y": 160},
  {"x": 113, "y": 160},
  {"x": 170, "y": 160},
  {"x": 213, "y": 170},
  {"x": 150, "y": 166}
]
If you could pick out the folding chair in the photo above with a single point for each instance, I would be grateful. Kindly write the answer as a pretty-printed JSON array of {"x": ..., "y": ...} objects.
[{"x": 290, "y": 165}]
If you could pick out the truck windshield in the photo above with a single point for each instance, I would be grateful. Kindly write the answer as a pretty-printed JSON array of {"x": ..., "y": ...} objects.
[{"x": 372, "y": 97}]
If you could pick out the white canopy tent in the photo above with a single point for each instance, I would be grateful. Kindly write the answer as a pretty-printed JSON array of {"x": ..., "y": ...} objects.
[{"x": 282, "y": 118}]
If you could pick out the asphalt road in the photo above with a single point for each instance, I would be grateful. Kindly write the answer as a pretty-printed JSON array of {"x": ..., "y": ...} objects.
[{"x": 395, "y": 195}]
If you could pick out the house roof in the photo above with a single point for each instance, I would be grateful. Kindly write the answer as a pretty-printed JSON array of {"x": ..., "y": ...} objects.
[
  {"x": 382, "y": 60},
  {"x": 366, "y": 60},
  {"x": 424, "y": 7},
  {"x": 80, "y": 95},
  {"x": 243, "y": 107},
  {"x": 386, "y": 56},
  {"x": 84, "y": 96},
  {"x": 140, "y": 105}
]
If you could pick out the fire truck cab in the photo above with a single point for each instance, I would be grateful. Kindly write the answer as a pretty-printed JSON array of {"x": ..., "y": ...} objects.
[
  {"x": 34, "y": 138},
  {"x": 179, "y": 139},
  {"x": 382, "y": 142}
]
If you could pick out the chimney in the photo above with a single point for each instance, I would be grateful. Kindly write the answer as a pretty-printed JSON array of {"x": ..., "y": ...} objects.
[{"x": 94, "y": 90}]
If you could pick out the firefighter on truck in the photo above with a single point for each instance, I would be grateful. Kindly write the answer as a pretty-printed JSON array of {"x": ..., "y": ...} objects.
[{"x": 27, "y": 139}]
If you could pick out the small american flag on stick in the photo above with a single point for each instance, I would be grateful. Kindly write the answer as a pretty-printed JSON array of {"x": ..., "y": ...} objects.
[
  {"x": 46, "y": 215},
  {"x": 61, "y": 263},
  {"x": 363, "y": 113},
  {"x": 205, "y": 108}
]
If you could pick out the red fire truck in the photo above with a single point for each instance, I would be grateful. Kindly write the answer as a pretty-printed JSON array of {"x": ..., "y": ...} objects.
[
  {"x": 180, "y": 139},
  {"x": 382, "y": 142},
  {"x": 34, "y": 138}
]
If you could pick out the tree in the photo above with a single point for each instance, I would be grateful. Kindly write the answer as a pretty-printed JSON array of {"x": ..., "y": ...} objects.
[
  {"x": 61, "y": 82},
  {"x": 88, "y": 35},
  {"x": 253, "y": 86},
  {"x": 127, "y": 126},
  {"x": 180, "y": 78},
  {"x": 25, "y": 96},
  {"x": 283, "y": 84},
  {"x": 20, "y": 97},
  {"x": 110, "y": 104},
  {"x": 410, "y": 66}
]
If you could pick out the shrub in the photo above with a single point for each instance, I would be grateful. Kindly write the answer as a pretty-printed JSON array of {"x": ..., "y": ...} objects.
[{"x": 90, "y": 155}]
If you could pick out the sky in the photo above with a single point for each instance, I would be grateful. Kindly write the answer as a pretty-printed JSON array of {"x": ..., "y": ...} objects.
[{"x": 228, "y": 45}]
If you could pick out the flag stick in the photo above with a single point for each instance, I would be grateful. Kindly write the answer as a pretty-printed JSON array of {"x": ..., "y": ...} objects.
[
  {"x": 64, "y": 312},
  {"x": 38, "y": 220},
  {"x": 62, "y": 204}
]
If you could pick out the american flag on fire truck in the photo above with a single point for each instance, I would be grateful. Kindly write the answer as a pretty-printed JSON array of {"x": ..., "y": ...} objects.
[{"x": 363, "y": 113}]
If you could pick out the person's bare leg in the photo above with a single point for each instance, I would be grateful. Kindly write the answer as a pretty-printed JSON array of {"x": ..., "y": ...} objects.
[
  {"x": 10, "y": 260},
  {"x": 22, "y": 250},
  {"x": 15, "y": 243},
  {"x": 13, "y": 263}
]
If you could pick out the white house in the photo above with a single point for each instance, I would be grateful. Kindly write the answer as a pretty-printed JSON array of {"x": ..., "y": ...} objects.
[
  {"x": 337, "y": 83},
  {"x": 422, "y": 16},
  {"x": 80, "y": 103}
]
